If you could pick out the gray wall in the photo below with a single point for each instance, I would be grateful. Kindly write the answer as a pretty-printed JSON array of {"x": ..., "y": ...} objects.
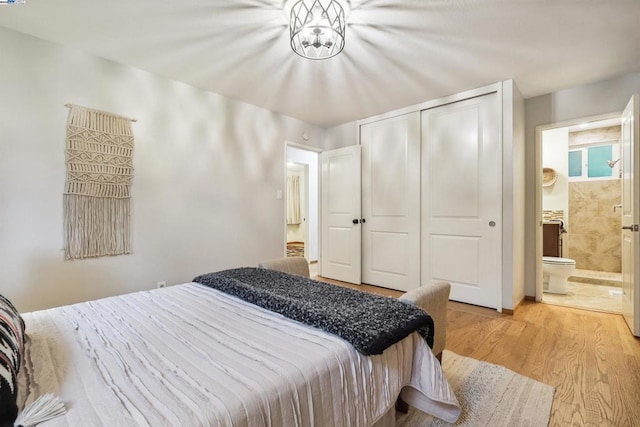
[
  {"x": 340, "y": 136},
  {"x": 207, "y": 169},
  {"x": 594, "y": 99}
]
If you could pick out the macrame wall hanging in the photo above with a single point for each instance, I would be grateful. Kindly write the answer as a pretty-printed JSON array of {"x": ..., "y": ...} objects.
[{"x": 97, "y": 196}]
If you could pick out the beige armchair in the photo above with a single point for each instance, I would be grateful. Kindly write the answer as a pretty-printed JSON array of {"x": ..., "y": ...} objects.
[
  {"x": 293, "y": 265},
  {"x": 433, "y": 299}
]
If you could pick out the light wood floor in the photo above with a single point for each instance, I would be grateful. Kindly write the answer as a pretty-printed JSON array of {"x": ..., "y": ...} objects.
[{"x": 591, "y": 358}]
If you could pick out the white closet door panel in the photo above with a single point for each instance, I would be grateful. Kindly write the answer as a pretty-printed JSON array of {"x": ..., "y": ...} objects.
[
  {"x": 387, "y": 152},
  {"x": 454, "y": 161},
  {"x": 462, "y": 199},
  {"x": 450, "y": 253},
  {"x": 391, "y": 202},
  {"x": 387, "y": 253}
]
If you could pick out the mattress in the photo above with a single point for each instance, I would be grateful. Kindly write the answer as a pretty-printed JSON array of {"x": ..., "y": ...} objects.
[{"x": 188, "y": 355}]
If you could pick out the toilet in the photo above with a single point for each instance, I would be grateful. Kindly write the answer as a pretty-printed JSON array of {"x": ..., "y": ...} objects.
[{"x": 556, "y": 271}]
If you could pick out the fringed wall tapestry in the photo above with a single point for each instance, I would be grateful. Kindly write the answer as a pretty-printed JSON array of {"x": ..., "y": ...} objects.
[{"x": 97, "y": 196}]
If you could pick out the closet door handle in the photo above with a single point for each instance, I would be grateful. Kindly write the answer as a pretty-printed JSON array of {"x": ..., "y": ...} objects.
[
  {"x": 355, "y": 221},
  {"x": 632, "y": 227},
  {"x": 362, "y": 221}
]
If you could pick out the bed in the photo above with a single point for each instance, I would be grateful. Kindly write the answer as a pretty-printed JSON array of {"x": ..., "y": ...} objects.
[{"x": 189, "y": 355}]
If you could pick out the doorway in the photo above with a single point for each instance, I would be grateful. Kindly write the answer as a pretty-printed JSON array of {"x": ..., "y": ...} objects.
[
  {"x": 301, "y": 201},
  {"x": 581, "y": 215}
]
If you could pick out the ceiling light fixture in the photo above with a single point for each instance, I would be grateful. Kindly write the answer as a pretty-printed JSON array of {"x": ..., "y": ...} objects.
[{"x": 317, "y": 27}]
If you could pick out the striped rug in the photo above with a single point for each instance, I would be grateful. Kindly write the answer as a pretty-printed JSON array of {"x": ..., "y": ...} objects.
[{"x": 490, "y": 395}]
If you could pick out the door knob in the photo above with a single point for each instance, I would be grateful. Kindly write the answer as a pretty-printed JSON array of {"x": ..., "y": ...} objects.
[
  {"x": 492, "y": 223},
  {"x": 632, "y": 227},
  {"x": 362, "y": 221},
  {"x": 355, "y": 221}
]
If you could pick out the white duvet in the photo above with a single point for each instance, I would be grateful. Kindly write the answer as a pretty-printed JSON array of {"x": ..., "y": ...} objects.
[{"x": 188, "y": 355}]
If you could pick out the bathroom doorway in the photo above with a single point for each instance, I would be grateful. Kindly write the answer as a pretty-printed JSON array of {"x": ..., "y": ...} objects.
[{"x": 581, "y": 215}]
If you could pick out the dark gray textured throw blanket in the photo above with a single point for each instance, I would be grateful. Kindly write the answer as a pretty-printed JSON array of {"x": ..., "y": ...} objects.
[{"x": 371, "y": 323}]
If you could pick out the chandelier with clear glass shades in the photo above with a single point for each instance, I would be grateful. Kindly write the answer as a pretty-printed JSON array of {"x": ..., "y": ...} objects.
[{"x": 317, "y": 28}]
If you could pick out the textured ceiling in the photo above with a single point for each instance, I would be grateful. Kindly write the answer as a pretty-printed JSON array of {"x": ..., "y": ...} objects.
[{"x": 397, "y": 52}]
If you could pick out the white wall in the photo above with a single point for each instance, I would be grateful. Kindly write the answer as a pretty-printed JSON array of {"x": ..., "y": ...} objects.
[
  {"x": 340, "y": 136},
  {"x": 555, "y": 155},
  {"x": 513, "y": 195},
  {"x": 593, "y": 99},
  {"x": 207, "y": 169},
  {"x": 309, "y": 158}
]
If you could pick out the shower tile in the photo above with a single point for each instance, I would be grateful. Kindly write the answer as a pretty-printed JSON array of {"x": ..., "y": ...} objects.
[
  {"x": 577, "y": 193},
  {"x": 594, "y": 226},
  {"x": 605, "y": 209},
  {"x": 582, "y": 208},
  {"x": 611, "y": 133},
  {"x": 605, "y": 278},
  {"x": 582, "y": 243},
  {"x": 594, "y": 229}
]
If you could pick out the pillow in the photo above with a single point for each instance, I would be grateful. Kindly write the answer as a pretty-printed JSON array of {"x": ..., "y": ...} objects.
[{"x": 11, "y": 351}]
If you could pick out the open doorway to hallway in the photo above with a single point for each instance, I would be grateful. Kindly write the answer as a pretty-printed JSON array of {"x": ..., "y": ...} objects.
[{"x": 301, "y": 202}]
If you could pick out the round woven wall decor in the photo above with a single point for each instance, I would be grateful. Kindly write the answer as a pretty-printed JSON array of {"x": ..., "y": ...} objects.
[{"x": 549, "y": 177}]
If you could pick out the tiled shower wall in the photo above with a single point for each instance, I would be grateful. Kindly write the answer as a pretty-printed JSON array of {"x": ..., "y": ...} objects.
[
  {"x": 593, "y": 238},
  {"x": 594, "y": 229}
]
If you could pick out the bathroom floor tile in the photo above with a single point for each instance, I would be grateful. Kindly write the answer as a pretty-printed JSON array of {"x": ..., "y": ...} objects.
[{"x": 588, "y": 296}]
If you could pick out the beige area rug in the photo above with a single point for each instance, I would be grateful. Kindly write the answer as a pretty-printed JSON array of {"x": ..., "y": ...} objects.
[{"x": 490, "y": 395}]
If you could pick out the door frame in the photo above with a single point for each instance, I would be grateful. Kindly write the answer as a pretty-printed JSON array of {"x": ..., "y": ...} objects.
[
  {"x": 312, "y": 149},
  {"x": 538, "y": 187}
]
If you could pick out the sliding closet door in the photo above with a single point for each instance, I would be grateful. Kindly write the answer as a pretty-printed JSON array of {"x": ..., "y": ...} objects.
[
  {"x": 462, "y": 199},
  {"x": 391, "y": 202}
]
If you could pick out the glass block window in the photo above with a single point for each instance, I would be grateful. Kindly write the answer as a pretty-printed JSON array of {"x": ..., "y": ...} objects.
[
  {"x": 597, "y": 165},
  {"x": 575, "y": 163}
]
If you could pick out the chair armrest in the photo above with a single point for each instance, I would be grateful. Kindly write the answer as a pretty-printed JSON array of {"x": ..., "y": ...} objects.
[
  {"x": 433, "y": 299},
  {"x": 292, "y": 265}
]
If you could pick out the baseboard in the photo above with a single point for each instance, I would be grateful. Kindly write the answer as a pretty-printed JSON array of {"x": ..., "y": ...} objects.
[{"x": 510, "y": 312}]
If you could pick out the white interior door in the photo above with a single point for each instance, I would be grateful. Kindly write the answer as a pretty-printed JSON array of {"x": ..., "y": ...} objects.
[
  {"x": 391, "y": 202},
  {"x": 462, "y": 199},
  {"x": 341, "y": 231},
  {"x": 629, "y": 155}
]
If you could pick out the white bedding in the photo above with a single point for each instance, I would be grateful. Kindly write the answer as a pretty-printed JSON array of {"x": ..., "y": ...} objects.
[{"x": 188, "y": 355}]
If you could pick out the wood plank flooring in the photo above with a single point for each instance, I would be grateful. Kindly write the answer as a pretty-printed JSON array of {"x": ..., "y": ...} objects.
[{"x": 591, "y": 358}]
